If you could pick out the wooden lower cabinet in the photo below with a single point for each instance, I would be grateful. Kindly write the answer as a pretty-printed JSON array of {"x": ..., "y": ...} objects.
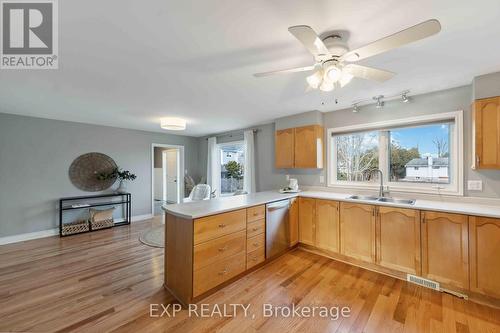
[
  {"x": 445, "y": 244},
  {"x": 357, "y": 231},
  {"x": 294, "y": 221},
  {"x": 327, "y": 225},
  {"x": 307, "y": 207},
  {"x": 398, "y": 239},
  {"x": 484, "y": 250}
]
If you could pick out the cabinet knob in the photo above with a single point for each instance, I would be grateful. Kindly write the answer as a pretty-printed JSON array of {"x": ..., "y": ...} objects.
[
  {"x": 478, "y": 159},
  {"x": 223, "y": 272},
  {"x": 255, "y": 229},
  {"x": 255, "y": 244},
  {"x": 222, "y": 249},
  {"x": 222, "y": 225}
]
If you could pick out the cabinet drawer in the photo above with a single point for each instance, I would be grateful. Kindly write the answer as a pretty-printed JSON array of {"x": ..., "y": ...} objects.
[
  {"x": 217, "y": 249},
  {"x": 211, "y": 276},
  {"x": 215, "y": 226},
  {"x": 256, "y": 213},
  {"x": 256, "y": 242},
  {"x": 256, "y": 228},
  {"x": 256, "y": 257}
]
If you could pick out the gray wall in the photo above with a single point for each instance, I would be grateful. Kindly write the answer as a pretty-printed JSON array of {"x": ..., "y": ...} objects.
[
  {"x": 35, "y": 155},
  {"x": 442, "y": 101},
  {"x": 486, "y": 86}
]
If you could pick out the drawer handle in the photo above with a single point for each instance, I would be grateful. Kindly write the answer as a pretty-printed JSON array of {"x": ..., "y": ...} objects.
[
  {"x": 222, "y": 225},
  {"x": 254, "y": 259},
  {"x": 222, "y": 249},
  {"x": 255, "y": 229},
  {"x": 223, "y": 272},
  {"x": 255, "y": 244},
  {"x": 256, "y": 214}
]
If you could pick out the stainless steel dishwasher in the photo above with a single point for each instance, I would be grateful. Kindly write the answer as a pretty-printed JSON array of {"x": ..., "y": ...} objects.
[{"x": 277, "y": 227}]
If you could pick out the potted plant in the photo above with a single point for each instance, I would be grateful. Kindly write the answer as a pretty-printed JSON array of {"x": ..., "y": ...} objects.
[{"x": 122, "y": 175}]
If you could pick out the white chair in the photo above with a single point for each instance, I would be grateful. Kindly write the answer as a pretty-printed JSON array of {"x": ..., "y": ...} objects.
[{"x": 199, "y": 192}]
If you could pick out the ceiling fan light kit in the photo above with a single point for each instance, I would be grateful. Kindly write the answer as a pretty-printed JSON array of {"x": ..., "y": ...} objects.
[{"x": 333, "y": 59}]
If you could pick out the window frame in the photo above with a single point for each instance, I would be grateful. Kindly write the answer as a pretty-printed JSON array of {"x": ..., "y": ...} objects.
[
  {"x": 456, "y": 186},
  {"x": 219, "y": 150}
]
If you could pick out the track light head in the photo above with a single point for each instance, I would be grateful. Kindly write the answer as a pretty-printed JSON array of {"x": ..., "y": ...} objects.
[
  {"x": 380, "y": 102},
  {"x": 355, "y": 108},
  {"x": 404, "y": 97}
]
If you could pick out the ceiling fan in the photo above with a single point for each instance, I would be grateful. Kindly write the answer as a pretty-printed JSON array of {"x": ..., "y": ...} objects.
[{"x": 334, "y": 66}]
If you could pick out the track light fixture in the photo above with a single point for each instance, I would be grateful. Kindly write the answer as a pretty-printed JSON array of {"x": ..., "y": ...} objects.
[
  {"x": 380, "y": 102},
  {"x": 355, "y": 108},
  {"x": 404, "y": 96}
]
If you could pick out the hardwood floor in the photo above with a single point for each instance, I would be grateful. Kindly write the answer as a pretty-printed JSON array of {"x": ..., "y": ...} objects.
[{"x": 106, "y": 281}]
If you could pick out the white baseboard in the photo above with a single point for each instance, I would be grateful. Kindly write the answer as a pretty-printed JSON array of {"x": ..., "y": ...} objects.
[
  {"x": 28, "y": 236},
  {"x": 52, "y": 232}
]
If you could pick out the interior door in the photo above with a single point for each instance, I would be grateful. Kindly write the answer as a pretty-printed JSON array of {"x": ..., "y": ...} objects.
[{"x": 171, "y": 165}]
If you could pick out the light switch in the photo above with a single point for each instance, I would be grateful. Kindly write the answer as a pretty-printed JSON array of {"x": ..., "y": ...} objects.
[{"x": 475, "y": 185}]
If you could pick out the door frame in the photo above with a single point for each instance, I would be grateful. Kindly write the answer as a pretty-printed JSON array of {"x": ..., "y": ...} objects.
[{"x": 180, "y": 171}]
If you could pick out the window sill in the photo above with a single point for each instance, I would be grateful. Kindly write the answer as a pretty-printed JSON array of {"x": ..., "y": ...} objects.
[{"x": 398, "y": 189}]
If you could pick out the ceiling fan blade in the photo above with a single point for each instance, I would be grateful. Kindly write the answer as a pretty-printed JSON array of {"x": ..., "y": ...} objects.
[
  {"x": 368, "y": 73},
  {"x": 306, "y": 35},
  {"x": 412, "y": 34},
  {"x": 286, "y": 71}
]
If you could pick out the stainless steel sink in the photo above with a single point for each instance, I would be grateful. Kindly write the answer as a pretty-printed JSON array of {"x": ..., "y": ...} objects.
[
  {"x": 383, "y": 199},
  {"x": 397, "y": 201},
  {"x": 363, "y": 197}
]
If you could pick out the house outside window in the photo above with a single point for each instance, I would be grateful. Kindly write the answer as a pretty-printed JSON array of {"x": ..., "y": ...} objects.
[
  {"x": 232, "y": 161},
  {"x": 421, "y": 154}
]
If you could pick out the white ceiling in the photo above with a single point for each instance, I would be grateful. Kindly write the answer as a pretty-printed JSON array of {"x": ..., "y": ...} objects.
[{"x": 126, "y": 63}]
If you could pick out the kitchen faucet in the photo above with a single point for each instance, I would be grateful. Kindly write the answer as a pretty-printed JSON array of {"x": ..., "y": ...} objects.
[{"x": 381, "y": 177}]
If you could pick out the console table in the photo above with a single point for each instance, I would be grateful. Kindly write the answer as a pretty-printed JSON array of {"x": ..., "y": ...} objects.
[{"x": 85, "y": 202}]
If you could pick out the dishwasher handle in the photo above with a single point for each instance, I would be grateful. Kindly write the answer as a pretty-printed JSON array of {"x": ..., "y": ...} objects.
[{"x": 278, "y": 205}]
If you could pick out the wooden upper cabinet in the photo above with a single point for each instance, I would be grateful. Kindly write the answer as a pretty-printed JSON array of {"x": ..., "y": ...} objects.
[
  {"x": 307, "y": 207},
  {"x": 484, "y": 249},
  {"x": 357, "y": 231},
  {"x": 445, "y": 244},
  {"x": 300, "y": 147},
  {"x": 487, "y": 133},
  {"x": 284, "y": 148},
  {"x": 294, "y": 221},
  {"x": 309, "y": 147},
  {"x": 327, "y": 225},
  {"x": 398, "y": 239}
]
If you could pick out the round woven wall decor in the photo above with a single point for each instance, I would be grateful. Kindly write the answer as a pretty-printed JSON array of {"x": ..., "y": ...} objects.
[{"x": 85, "y": 169}]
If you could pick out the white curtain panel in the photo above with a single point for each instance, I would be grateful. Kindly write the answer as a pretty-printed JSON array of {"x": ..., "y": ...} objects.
[
  {"x": 249, "y": 168},
  {"x": 213, "y": 166}
]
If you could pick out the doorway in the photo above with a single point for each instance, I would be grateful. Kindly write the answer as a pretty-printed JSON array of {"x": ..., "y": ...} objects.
[{"x": 167, "y": 176}]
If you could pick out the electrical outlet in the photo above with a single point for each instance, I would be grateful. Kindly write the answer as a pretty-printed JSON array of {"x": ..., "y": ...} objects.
[
  {"x": 287, "y": 178},
  {"x": 475, "y": 185},
  {"x": 321, "y": 179}
]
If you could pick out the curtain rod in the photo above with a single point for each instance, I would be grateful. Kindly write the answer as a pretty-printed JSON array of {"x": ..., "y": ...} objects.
[{"x": 230, "y": 134}]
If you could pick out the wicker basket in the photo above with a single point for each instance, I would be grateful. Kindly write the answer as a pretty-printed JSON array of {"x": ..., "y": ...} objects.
[
  {"x": 101, "y": 219},
  {"x": 75, "y": 227}
]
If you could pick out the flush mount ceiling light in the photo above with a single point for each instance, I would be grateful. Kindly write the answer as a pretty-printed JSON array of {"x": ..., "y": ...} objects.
[
  {"x": 334, "y": 61},
  {"x": 380, "y": 102},
  {"x": 173, "y": 124}
]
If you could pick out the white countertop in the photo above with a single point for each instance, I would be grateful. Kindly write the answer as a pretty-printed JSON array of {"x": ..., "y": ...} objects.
[{"x": 197, "y": 209}]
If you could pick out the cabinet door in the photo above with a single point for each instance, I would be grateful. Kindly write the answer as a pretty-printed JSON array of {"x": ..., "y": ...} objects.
[
  {"x": 306, "y": 220},
  {"x": 484, "y": 255},
  {"x": 309, "y": 147},
  {"x": 327, "y": 225},
  {"x": 398, "y": 239},
  {"x": 357, "y": 231},
  {"x": 487, "y": 133},
  {"x": 294, "y": 221},
  {"x": 284, "y": 148},
  {"x": 445, "y": 246}
]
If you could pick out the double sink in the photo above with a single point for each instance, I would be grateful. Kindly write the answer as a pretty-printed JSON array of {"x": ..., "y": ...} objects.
[{"x": 383, "y": 199}]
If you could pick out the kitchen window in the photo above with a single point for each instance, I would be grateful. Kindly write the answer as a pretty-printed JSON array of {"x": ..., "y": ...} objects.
[
  {"x": 232, "y": 161},
  {"x": 421, "y": 154}
]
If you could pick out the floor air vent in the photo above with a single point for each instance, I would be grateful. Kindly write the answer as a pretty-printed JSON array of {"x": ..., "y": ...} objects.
[{"x": 423, "y": 282}]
